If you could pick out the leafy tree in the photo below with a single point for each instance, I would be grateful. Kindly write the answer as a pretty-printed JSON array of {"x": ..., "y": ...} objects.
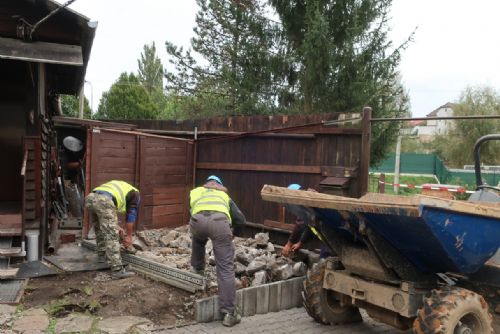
[
  {"x": 235, "y": 42},
  {"x": 127, "y": 99},
  {"x": 457, "y": 146},
  {"x": 70, "y": 106},
  {"x": 150, "y": 69}
]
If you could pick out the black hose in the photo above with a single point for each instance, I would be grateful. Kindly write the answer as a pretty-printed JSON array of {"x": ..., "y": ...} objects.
[{"x": 477, "y": 158}]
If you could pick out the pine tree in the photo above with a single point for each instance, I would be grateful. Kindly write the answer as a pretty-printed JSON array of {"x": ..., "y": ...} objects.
[
  {"x": 343, "y": 60},
  {"x": 234, "y": 41},
  {"x": 150, "y": 69}
]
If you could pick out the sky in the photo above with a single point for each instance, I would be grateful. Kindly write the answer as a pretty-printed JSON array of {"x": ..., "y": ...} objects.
[{"x": 456, "y": 43}]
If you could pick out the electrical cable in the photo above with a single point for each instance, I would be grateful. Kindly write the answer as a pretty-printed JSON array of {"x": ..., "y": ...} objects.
[{"x": 36, "y": 25}]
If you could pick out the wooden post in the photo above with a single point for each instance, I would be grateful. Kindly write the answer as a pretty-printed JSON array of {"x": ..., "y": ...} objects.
[
  {"x": 397, "y": 165},
  {"x": 381, "y": 183},
  {"x": 364, "y": 164}
]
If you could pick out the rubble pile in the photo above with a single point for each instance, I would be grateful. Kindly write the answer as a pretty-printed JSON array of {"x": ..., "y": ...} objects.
[{"x": 256, "y": 259}]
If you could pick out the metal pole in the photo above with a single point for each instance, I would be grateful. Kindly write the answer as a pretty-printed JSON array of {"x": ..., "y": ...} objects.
[
  {"x": 82, "y": 98},
  {"x": 397, "y": 167},
  {"x": 91, "y": 96}
]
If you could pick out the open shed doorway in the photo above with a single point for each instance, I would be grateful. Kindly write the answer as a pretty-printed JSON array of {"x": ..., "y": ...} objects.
[{"x": 15, "y": 98}]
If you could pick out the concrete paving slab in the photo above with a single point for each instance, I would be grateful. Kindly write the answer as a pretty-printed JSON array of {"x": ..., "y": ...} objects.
[
  {"x": 74, "y": 323},
  {"x": 34, "y": 320},
  {"x": 120, "y": 325}
]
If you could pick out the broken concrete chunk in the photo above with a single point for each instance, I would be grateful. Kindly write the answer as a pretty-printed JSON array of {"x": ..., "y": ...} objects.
[
  {"x": 270, "y": 247},
  {"x": 299, "y": 269},
  {"x": 142, "y": 236},
  {"x": 259, "y": 278},
  {"x": 167, "y": 239},
  {"x": 139, "y": 244},
  {"x": 239, "y": 269},
  {"x": 262, "y": 239},
  {"x": 255, "y": 266},
  {"x": 182, "y": 241},
  {"x": 283, "y": 272},
  {"x": 249, "y": 242},
  {"x": 243, "y": 257}
]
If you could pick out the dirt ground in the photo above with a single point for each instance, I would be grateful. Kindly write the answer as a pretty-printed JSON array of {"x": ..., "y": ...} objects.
[{"x": 97, "y": 293}]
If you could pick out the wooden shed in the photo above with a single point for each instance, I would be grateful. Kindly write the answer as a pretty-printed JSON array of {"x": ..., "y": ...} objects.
[{"x": 44, "y": 51}]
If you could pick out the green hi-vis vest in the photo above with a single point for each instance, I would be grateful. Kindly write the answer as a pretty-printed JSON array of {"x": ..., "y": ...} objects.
[
  {"x": 119, "y": 190},
  {"x": 206, "y": 199}
]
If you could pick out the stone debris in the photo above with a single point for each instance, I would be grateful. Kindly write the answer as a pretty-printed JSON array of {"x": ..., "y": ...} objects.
[
  {"x": 261, "y": 240},
  {"x": 6, "y": 314},
  {"x": 259, "y": 278},
  {"x": 299, "y": 269},
  {"x": 257, "y": 260}
]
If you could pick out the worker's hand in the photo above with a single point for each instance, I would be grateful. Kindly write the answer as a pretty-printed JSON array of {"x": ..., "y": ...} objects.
[
  {"x": 286, "y": 249},
  {"x": 127, "y": 241},
  {"x": 121, "y": 232},
  {"x": 297, "y": 246}
]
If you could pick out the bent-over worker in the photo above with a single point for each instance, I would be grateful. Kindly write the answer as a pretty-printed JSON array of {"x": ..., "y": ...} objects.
[
  {"x": 212, "y": 212},
  {"x": 302, "y": 230},
  {"x": 103, "y": 204}
]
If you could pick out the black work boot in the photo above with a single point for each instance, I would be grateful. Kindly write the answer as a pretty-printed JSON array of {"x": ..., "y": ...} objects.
[
  {"x": 121, "y": 273},
  {"x": 231, "y": 319}
]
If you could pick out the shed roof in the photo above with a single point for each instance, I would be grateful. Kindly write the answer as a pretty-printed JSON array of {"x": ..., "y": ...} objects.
[{"x": 63, "y": 41}]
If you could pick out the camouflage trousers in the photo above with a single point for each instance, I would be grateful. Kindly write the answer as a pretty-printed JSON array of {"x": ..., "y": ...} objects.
[{"x": 102, "y": 213}]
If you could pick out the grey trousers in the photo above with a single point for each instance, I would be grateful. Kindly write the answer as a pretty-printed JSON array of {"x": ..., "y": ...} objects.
[{"x": 216, "y": 227}]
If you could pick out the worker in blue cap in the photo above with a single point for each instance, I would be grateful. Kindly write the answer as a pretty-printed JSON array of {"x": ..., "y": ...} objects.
[
  {"x": 302, "y": 230},
  {"x": 213, "y": 214}
]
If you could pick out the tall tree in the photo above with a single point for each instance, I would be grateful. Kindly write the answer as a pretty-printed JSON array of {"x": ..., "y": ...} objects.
[
  {"x": 343, "y": 60},
  {"x": 235, "y": 41},
  {"x": 70, "y": 106},
  {"x": 127, "y": 99},
  {"x": 150, "y": 68},
  {"x": 474, "y": 101}
]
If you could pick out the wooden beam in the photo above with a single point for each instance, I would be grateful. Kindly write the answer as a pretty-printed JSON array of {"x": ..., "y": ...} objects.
[
  {"x": 275, "y": 224},
  {"x": 260, "y": 167},
  {"x": 41, "y": 52}
]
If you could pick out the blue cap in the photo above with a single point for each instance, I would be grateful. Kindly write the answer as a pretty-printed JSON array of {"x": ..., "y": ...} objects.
[
  {"x": 215, "y": 178},
  {"x": 294, "y": 186}
]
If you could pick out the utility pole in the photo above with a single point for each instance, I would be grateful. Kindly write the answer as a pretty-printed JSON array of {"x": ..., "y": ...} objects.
[
  {"x": 82, "y": 98},
  {"x": 397, "y": 167}
]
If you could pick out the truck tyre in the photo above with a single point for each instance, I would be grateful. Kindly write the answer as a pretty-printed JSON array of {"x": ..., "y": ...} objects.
[
  {"x": 322, "y": 304},
  {"x": 452, "y": 310}
]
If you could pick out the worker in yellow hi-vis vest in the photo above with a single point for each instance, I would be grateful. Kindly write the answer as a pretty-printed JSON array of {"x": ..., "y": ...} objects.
[
  {"x": 213, "y": 214},
  {"x": 103, "y": 204}
]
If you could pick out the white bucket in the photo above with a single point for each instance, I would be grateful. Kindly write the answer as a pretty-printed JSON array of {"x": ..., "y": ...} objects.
[{"x": 32, "y": 244}]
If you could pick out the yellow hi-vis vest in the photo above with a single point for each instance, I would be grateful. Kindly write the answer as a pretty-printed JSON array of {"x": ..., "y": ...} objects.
[
  {"x": 119, "y": 190},
  {"x": 206, "y": 199}
]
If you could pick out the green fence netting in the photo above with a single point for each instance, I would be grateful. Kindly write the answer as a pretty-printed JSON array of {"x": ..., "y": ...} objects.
[{"x": 431, "y": 164}]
